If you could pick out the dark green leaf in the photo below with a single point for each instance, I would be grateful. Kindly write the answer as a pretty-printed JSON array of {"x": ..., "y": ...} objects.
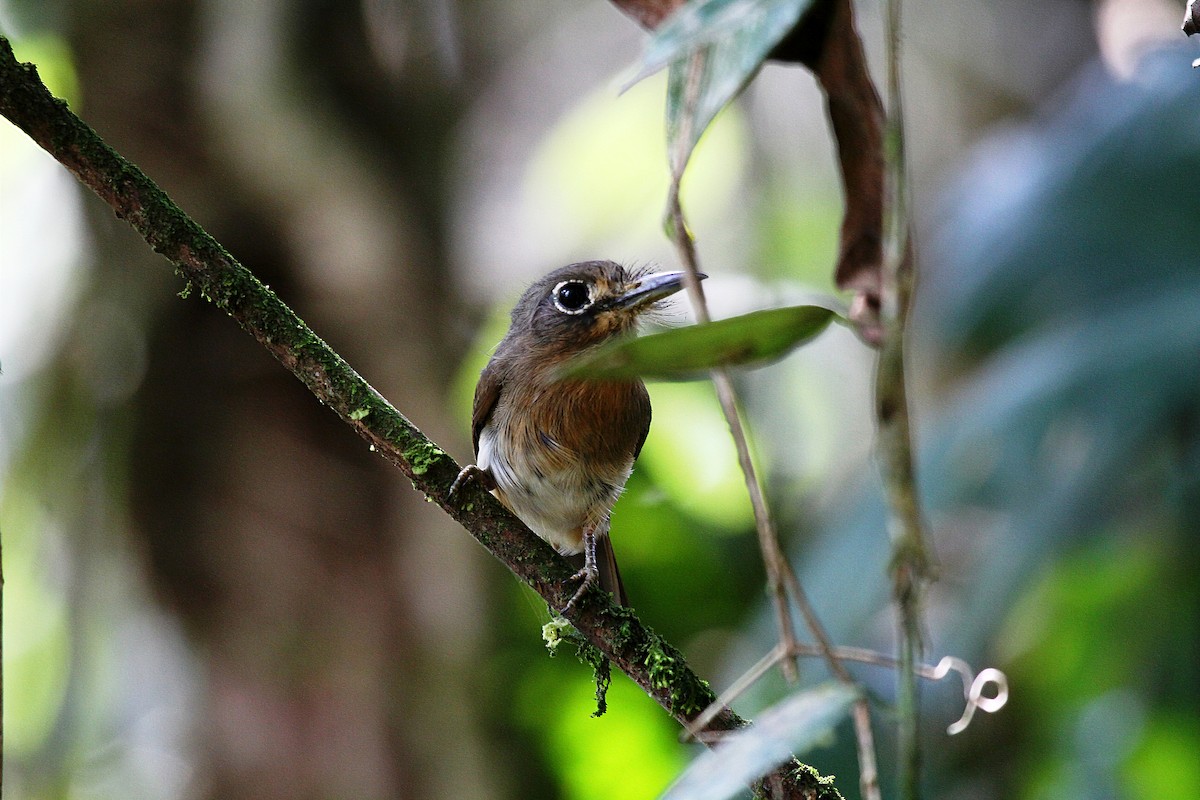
[
  {"x": 789, "y": 728},
  {"x": 685, "y": 353}
]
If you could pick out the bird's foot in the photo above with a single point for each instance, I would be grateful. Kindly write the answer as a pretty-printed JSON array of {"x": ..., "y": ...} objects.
[
  {"x": 590, "y": 574},
  {"x": 467, "y": 473},
  {"x": 588, "y": 577}
]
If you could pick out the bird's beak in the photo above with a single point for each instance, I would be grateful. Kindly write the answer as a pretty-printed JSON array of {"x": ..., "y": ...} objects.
[{"x": 649, "y": 289}]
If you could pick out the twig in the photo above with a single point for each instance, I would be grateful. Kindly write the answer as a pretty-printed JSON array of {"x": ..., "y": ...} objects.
[
  {"x": 648, "y": 659},
  {"x": 864, "y": 737},
  {"x": 910, "y": 565},
  {"x": 974, "y": 686},
  {"x": 780, "y": 576},
  {"x": 695, "y": 728},
  {"x": 768, "y": 539},
  {"x": 826, "y": 41}
]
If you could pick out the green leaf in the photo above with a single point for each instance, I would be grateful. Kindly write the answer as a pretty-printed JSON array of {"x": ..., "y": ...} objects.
[
  {"x": 686, "y": 353},
  {"x": 786, "y": 729},
  {"x": 1060, "y": 295},
  {"x": 701, "y": 23},
  {"x": 714, "y": 48}
]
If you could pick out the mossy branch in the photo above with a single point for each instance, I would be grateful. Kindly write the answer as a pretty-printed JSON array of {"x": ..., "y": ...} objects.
[{"x": 648, "y": 659}]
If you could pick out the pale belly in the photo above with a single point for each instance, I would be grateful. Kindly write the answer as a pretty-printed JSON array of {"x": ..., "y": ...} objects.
[{"x": 556, "y": 502}]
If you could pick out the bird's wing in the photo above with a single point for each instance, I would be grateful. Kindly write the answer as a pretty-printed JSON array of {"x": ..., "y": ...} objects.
[
  {"x": 644, "y": 400},
  {"x": 487, "y": 394}
]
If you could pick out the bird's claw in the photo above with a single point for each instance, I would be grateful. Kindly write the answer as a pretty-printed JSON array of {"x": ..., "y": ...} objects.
[
  {"x": 465, "y": 474},
  {"x": 588, "y": 577}
]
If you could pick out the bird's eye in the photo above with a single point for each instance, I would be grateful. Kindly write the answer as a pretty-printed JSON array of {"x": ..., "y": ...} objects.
[{"x": 572, "y": 297}]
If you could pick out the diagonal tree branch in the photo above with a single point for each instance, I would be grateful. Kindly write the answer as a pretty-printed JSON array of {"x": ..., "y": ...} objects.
[{"x": 648, "y": 659}]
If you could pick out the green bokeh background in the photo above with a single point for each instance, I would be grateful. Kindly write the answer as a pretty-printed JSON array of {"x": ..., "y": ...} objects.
[{"x": 1055, "y": 400}]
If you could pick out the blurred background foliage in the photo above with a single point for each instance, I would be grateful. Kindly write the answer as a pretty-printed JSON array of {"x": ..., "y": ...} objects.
[{"x": 213, "y": 590}]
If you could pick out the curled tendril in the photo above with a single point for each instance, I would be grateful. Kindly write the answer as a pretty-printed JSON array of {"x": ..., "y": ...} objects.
[
  {"x": 987, "y": 691},
  {"x": 973, "y": 688}
]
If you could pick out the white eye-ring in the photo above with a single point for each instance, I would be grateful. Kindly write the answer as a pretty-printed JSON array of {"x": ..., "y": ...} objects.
[{"x": 572, "y": 297}]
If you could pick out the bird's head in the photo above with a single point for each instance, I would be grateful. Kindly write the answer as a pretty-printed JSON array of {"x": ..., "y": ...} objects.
[{"x": 583, "y": 304}]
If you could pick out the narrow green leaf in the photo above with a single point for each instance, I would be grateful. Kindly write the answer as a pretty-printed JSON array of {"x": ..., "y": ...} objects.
[
  {"x": 686, "y": 353},
  {"x": 703, "y": 22},
  {"x": 786, "y": 729},
  {"x": 714, "y": 48}
]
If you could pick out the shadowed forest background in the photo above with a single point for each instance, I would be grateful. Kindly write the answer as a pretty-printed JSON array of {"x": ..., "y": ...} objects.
[{"x": 213, "y": 590}]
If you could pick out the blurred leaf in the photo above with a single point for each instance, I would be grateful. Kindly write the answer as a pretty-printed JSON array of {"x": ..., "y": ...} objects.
[
  {"x": 630, "y": 753},
  {"x": 685, "y": 353},
  {"x": 1062, "y": 630},
  {"x": 52, "y": 57},
  {"x": 789, "y": 728},
  {"x": 1083, "y": 212},
  {"x": 720, "y": 44},
  {"x": 797, "y": 230},
  {"x": 595, "y": 182},
  {"x": 1066, "y": 274},
  {"x": 693, "y": 462},
  {"x": 1164, "y": 766},
  {"x": 1060, "y": 292},
  {"x": 37, "y": 643}
]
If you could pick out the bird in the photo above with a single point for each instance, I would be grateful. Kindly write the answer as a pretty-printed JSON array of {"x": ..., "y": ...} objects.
[{"x": 555, "y": 450}]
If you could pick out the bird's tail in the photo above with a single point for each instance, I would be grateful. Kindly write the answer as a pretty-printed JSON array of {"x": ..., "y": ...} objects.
[
  {"x": 606, "y": 566},
  {"x": 610, "y": 576}
]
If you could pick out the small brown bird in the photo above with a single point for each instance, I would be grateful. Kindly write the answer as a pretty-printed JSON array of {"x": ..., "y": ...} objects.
[{"x": 557, "y": 451}]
